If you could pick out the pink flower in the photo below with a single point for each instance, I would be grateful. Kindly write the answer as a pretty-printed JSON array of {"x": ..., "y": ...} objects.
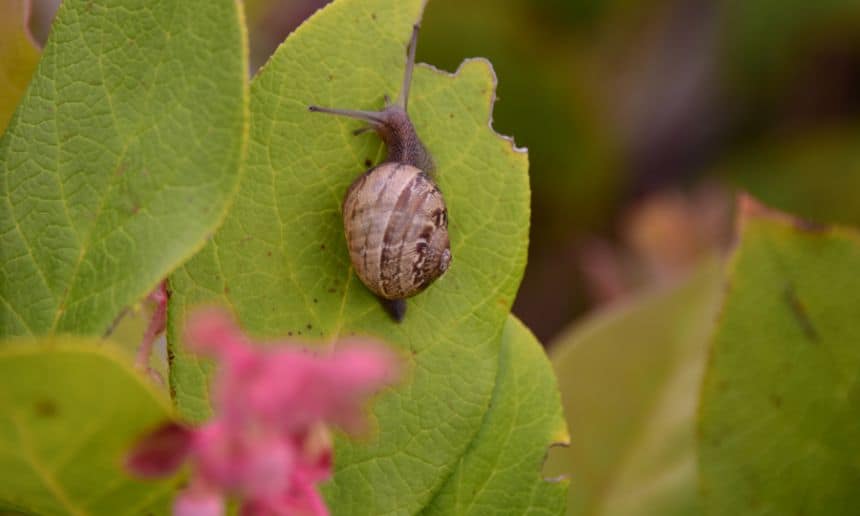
[{"x": 268, "y": 443}]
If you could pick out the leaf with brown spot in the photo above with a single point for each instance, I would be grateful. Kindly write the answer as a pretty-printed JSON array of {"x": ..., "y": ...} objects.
[
  {"x": 779, "y": 426},
  {"x": 70, "y": 410}
]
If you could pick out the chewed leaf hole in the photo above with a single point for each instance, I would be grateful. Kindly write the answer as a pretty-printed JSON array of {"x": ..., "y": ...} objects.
[{"x": 551, "y": 470}]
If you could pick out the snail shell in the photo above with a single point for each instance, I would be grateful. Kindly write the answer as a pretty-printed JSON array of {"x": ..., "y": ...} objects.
[{"x": 396, "y": 228}]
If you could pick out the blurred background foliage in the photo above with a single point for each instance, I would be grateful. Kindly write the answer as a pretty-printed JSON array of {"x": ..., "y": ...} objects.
[{"x": 641, "y": 120}]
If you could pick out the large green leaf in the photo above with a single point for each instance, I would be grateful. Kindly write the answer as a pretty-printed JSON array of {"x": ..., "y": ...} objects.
[
  {"x": 501, "y": 471},
  {"x": 121, "y": 158},
  {"x": 629, "y": 378},
  {"x": 18, "y": 56},
  {"x": 780, "y": 433},
  {"x": 280, "y": 259},
  {"x": 69, "y": 411}
]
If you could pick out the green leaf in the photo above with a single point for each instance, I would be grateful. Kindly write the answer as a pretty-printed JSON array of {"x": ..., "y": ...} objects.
[
  {"x": 779, "y": 425},
  {"x": 121, "y": 158},
  {"x": 629, "y": 379},
  {"x": 69, "y": 411},
  {"x": 280, "y": 259},
  {"x": 501, "y": 471},
  {"x": 18, "y": 56}
]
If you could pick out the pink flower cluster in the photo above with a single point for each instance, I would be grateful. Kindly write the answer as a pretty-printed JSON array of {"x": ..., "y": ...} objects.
[{"x": 267, "y": 443}]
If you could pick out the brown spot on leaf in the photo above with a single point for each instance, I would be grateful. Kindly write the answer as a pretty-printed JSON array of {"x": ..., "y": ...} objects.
[
  {"x": 798, "y": 310},
  {"x": 45, "y": 408},
  {"x": 810, "y": 226}
]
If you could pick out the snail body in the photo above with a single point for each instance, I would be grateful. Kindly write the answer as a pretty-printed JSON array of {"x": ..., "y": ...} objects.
[{"x": 394, "y": 215}]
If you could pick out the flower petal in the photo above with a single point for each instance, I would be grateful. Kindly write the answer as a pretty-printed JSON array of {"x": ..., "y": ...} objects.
[
  {"x": 160, "y": 452},
  {"x": 197, "y": 502}
]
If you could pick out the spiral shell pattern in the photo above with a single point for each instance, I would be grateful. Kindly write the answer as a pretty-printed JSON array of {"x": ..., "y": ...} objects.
[{"x": 396, "y": 226}]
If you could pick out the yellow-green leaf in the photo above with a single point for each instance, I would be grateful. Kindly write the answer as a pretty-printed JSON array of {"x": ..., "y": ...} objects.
[
  {"x": 70, "y": 409},
  {"x": 501, "y": 473},
  {"x": 629, "y": 380},
  {"x": 780, "y": 432},
  {"x": 122, "y": 157}
]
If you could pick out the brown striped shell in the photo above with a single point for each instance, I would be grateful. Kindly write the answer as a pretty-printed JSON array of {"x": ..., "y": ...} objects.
[{"x": 396, "y": 228}]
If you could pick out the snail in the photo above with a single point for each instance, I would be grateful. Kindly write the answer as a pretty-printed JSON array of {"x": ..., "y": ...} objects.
[{"x": 394, "y": 215}]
